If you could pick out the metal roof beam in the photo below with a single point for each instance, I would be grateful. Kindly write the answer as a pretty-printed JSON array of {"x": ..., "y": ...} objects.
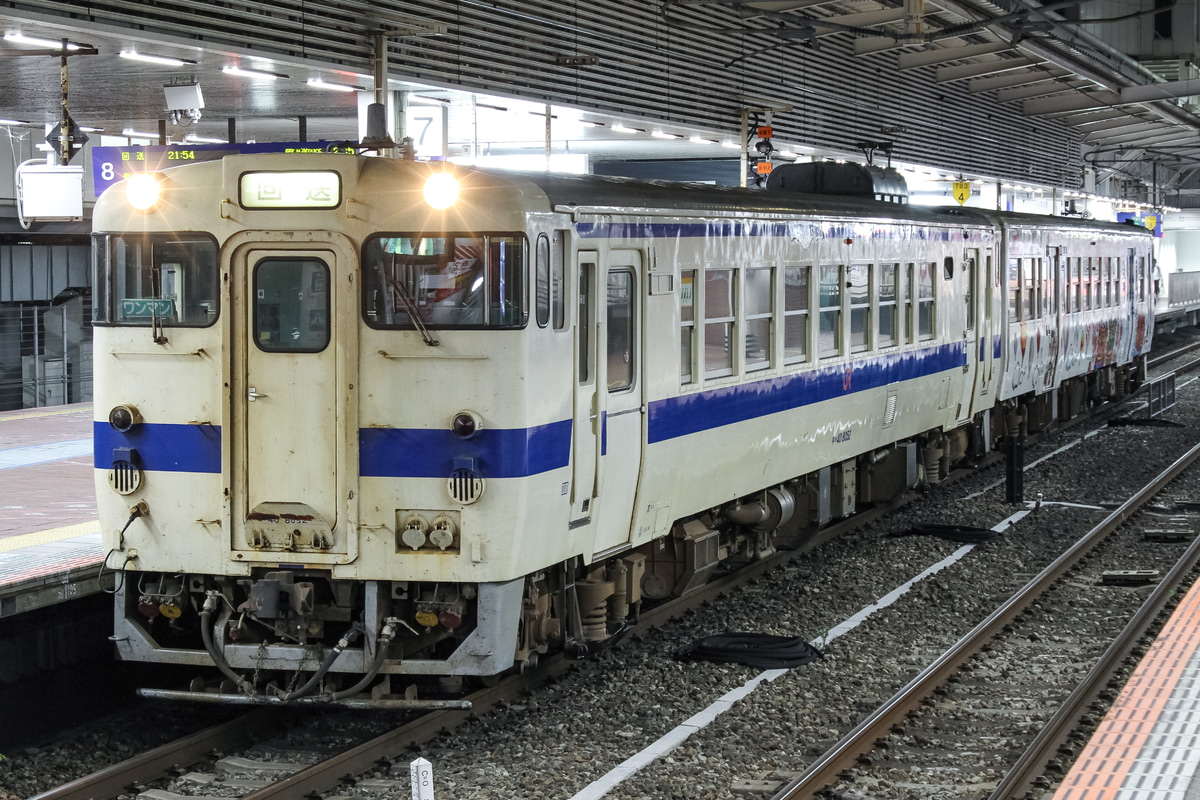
[
  {"x": 1041, "y": 90},
  {"x": 866, "y": 19},
  {"x": 1160, "y": 91},
  {"x": 977, "y": 70},
  {"x": 1090, "y": 117},
  {"x": 1121, "y": 134},
  {"x": 1013, "y": 79},
  {"x": 1124, "y": 121},
  {"x": 870, "y": 45},
  {"x": 941, "y": 55},
  {"x": 1066, "y": 104}
]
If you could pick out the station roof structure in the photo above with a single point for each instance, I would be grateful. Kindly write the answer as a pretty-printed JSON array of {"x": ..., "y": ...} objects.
[{"x": 1007, "y": 89}]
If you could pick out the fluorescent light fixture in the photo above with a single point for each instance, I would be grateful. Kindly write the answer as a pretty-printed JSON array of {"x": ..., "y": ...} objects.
[
  {"x": 788, "y": 154},
  {"x": 701, "y": 140},
  {"x": 665, "y": 135},
  {"x": 733, "y": 145},
  {"x": 591, "y": 124},
  {"x": 165, "y": 61},
  {"x": 14, "y": 122},
  {"x": 232, "y": 69},
  {"x": 317, "y": 83},
  {"x": 138, "y": 134},
  {"x": 20, "y": 38},
  {"x": 191, "y": 137},
  {"x": 619, "y": 128}
]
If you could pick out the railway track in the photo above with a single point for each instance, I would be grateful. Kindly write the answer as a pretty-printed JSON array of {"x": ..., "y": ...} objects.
[
  {"x": 385, "y": 754},
  {"x": 1045, "y": 752}
]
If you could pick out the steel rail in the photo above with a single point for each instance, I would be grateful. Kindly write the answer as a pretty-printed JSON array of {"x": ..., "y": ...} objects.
[
  {"x": 154, "y": 764},
  {"x": 1032, "y": 763},
  {"x": 1165, "y": 357},
  {"x": 826, "y": 770}
]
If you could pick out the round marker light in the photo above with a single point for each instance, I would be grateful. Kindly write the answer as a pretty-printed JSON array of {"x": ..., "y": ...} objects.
[
  {"x": 464, "y": 424},
  {"x": 142, "y": 191},
  {"x": 122, "y": 418},
  {"x": 441, "y": 190}
]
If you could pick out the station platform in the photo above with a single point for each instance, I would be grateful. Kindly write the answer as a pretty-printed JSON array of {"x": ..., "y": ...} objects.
[
  {"x": 50, "y": 549},
  {"x": 1148, "y": 745}
]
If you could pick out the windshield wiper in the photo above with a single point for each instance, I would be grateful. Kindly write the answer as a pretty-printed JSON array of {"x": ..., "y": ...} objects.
[{"x": 410, "y": 306}]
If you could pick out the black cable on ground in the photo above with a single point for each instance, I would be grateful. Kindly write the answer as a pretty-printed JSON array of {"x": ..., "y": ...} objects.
[{"x": 762, "y": 650}]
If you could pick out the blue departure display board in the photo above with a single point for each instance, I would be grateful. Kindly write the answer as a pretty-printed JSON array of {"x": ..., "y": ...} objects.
[{"x": 113, "y": 164}]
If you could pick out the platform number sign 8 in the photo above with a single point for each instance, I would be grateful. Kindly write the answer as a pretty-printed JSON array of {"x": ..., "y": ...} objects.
[{"x": 421, "y": 777}]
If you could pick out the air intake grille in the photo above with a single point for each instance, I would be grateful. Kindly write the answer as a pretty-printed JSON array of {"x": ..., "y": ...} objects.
[
  {"x": 124, "y": 478},
  {"x": 465, "y": 486}
]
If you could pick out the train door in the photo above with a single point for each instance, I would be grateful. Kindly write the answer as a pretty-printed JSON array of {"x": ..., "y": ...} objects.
[
  {"x": 986, "y": 328},
  {"x": 621, "y": 404},
  {"x": 287, "y": 407},
  {"x": 585, "y": 430},
  {"x": 970, "y": 280},
  {"x": 1049, "y": 322}
]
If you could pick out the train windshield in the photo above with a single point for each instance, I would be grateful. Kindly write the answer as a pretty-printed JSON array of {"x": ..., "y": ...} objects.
[
  {"x": 155, "y": 279},
  {"x": 450, "y": 280}
]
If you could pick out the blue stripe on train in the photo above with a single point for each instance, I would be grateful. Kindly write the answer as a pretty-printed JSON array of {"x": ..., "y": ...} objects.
[
  {"x": 162, "y": 447},
  {"x": 501, "y": 453},
  {"x": 693, "y": 413},
  {"x": 520, "y": 452},
  {"x": 802, "y": 229}
]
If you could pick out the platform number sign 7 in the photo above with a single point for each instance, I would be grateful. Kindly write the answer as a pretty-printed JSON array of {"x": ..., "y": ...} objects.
[{"x": 426, "y": 125}]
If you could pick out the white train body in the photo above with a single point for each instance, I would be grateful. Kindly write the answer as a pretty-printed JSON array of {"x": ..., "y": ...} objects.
[{"x": 615, "y": 388}]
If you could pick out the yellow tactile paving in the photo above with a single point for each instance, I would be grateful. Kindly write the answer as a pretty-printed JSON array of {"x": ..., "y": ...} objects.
[
  {"x": 1108, "y": 758},
  {"x": 51, "y": 535},
  {"x": 47, "y": 412}
]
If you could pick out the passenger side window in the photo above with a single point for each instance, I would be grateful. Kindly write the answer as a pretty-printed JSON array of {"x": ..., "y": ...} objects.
[
  {"x": 1014, "y": 289},
  {"x": 760, "y": 309},
  {"x": 718, "y": 322},
  {"x": 621, "y": 350},
  {"x": 687, "y": 323},
  {"x": 859, "y": 284},
  {"x": 889, "y": 291},
  {"x": 829, "y": 310},
  {"x": 925, "y": 301},
  {"x": 795, "y": 314},
  {"x": 542, "y": 288}
]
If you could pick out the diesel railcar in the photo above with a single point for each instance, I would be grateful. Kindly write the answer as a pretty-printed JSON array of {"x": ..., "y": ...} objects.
[{"x": 362, "y": 419}]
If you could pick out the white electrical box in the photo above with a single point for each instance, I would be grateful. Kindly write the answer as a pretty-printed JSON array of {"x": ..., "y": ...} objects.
[{"x": 50, "y": 192}]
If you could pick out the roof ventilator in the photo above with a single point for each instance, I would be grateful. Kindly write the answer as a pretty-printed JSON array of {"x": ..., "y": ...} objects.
[{"x": 831, "y": 178}]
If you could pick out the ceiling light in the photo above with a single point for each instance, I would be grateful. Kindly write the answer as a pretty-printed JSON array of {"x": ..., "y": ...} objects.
[
  {"x": 52, "y": 43},
  {"x": 701, "y": 140},
  {"x": 589, "y": 123},
  {"x": 734, "y": 145},
  {"x": 231, "y": 69},
  {"x": 665, "y": 135},
  {"x": 191, "y": 137},
  {"x": 14, "y": 122},
  {"x": 149, "y": 59},
  {"x": 317, "y": 83},
  {"x": 138, "y": 134},
  {"x": 619, "y": 128}
]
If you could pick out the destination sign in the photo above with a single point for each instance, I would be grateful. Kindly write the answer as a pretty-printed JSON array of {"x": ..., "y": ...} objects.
[{"x": 293, "y": 190}]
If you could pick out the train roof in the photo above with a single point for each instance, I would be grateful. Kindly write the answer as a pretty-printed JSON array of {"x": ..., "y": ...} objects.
[{"x": 612, "y": 194}]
